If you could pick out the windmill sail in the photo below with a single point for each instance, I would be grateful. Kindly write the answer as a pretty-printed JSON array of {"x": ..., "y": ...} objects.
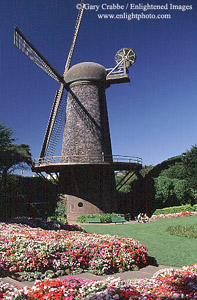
[
  {"x": 59, "y": 106},
  {"x": 23, "y": 44},
  {"x": 78, "y": 22},
  {"x": 57, "y": 115},
  {"x": 55, "y": 124}
]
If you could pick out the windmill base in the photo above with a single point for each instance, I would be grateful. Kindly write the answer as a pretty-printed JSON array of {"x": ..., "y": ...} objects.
[
  {"x": 76, "y": 207},
  {"x": 88, "y": 190}
]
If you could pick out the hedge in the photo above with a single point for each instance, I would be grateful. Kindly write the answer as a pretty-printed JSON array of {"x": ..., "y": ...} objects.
[
  {"x": 105, "y": 218},
  {"x": 175, "y": 209},
  {"x": 195, "y": 207}
]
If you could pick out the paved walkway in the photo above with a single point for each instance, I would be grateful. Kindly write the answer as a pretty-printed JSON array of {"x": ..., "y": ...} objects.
[{"x": 146, "y": 272}]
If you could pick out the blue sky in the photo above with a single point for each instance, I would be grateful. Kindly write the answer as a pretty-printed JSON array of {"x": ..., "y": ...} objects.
[{"x": 153, "y": 116}]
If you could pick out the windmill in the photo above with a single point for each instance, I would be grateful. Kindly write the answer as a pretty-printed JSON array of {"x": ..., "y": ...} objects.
[{"x": 86, "y": 166}]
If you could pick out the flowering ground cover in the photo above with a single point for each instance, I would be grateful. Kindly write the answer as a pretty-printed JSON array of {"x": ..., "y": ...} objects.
[
  {"x": 174, "y": 215},
  {"x": 166, "y": 284},
  {"x": 33, "y": 253},
  {"x": 183, "y": 231}
]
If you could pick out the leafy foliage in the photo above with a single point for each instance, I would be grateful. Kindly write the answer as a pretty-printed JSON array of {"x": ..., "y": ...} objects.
[
  {"x": 60, "y": 209},
  {"x": 28, "y": 196},
  {"x": 5, "y": 136},
  {"x": 175, "y": 209},
  {"x": 190, "y": 163},
  {"x": 171, "y": 191},
  {"x": 195, "y": 207},
  {"x": 60, "y": 212},
  {"x": 182, "y": 191},
  {"x": 169, "y": 183},
  {"x": 177, "y": 184},
  {"x": 105, "y": 218},
  {"x": 16, "y": 156},
  {"x": 12, "y": 156},
  {"x": 126, "y": 188},
  {"x": 81, "y": 219},
  {"x": 177, "y": 171},
  {"x": 164, "y": 188}
]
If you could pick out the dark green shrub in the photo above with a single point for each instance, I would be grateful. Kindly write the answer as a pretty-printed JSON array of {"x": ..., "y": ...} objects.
[
  {"x": 63, "y": 220},
  {"x": 81, "y": 219},
  {"x": 105, "y": 218},
  {"x": 60, "y": 210}
]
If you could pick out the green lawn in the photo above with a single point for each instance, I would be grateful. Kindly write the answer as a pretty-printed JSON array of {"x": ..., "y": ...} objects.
[{"x": 166, "y": 249}]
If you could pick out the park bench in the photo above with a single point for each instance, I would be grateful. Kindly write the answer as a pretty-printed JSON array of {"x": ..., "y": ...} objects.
[
  {"x": 118, "y": 220},
  {"x": 93, "y": 220}
]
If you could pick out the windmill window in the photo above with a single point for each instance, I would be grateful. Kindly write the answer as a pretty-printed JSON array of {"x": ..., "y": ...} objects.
[{"x": 80, "y": 204}]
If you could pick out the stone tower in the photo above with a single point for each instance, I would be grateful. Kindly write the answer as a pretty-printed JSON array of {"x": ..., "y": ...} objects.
[{"x": 88, "y": 185}]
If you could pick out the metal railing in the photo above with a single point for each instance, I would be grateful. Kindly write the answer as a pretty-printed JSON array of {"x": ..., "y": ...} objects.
[
  {"x": 114, "y": 71},
  {"x": 86, "y": 159},
  {"x": 127, "y": 159}
]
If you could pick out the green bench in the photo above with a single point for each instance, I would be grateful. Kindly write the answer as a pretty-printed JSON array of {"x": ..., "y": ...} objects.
[
  {"x": 93, "y": 220},
  {"x": 118, "y": 219}
]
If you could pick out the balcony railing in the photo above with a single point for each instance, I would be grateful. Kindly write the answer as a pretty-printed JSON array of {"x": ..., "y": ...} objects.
[{"x": 62, "y": 160}]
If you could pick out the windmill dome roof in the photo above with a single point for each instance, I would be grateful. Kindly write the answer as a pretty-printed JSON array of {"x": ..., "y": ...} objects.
[{"x": 86, "y": 71}]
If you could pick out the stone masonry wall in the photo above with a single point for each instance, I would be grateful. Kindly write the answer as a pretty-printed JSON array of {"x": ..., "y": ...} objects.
[{"x": 86, "y": 133}]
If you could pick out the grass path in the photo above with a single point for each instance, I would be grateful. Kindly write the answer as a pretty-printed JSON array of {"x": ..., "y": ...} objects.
[{"x": 166, "y": 249}]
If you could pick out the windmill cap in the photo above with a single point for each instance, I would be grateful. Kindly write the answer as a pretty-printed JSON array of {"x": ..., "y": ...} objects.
[{"x": 86, "y": 71}]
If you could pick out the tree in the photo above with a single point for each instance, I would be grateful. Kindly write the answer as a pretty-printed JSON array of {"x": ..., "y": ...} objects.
[
  {"x": 12, "y": 156},
  {"x": 182, "y": 191},
  {"x": 190, "y": 163},
  {"x": 5, "y": 136},
  {"x": 164, "y": 189},
  {"x": 177, "y": 171},
  {"x": 172, "y": 191}
]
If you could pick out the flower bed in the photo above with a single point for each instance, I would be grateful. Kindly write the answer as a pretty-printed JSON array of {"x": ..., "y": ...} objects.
[
  {"x": 182, "y": 231},
  {"x": 166, "y": 284},
  {"x": 174, "y": 215},
  {"x": 33, "y": 253}
]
